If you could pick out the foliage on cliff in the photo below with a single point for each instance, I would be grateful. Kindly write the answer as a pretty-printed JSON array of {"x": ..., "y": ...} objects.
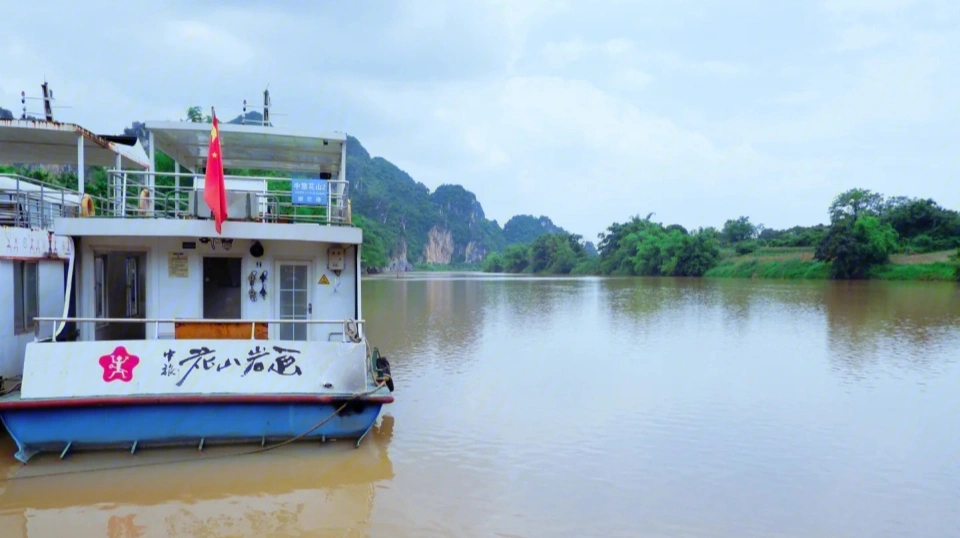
[
  {"x": 524, "y": 229},
  {"x": 406, "y": 211}
]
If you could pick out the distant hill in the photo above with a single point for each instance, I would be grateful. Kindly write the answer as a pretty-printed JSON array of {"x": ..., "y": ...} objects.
[
  {"x": 523, "y": 229},
  {"x": 442, "y": 227}
]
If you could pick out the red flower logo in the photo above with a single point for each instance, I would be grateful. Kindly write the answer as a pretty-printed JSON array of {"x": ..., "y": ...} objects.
[{"x": 119, "y": 365}]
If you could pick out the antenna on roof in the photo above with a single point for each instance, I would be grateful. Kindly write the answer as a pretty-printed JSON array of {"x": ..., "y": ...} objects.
[
  {"x": 265, "y": 116},
  {"x": 47, "y": 97},
  {"x": 266, "y": 105}
]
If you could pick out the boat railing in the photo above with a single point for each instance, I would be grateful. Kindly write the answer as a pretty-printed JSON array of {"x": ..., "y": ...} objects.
[
  {"x": 33, "y": 203},
  {"x": 179, "y": 195},
  {"x": 352, "y": 329}
]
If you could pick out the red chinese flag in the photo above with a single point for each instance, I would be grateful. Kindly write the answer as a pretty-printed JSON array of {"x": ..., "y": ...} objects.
[{"x": 214, "y": 191}]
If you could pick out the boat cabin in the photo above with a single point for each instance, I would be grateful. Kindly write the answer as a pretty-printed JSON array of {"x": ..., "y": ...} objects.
[
  {"x": 35, "y": 264},
  {"x": 285, "y": 267}
]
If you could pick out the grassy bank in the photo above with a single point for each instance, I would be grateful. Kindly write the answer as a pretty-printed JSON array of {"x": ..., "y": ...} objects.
[
  {"x": 798, "y": 263},
  {"x": 465, "y": 267}
]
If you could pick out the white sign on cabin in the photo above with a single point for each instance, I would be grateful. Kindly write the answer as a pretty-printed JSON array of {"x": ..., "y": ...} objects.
[
  {"x": 22, "y": 243},
  {"x": 172, "y": 367},
  {"x": 178, "y": 265}
]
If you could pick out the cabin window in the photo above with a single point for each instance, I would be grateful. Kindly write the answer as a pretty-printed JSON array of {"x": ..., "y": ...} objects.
[
  {"x": 133, "y": 287},
  {"x": 100, "y": 285},
  {"x": 294, "y": 300},
  {"x": 26, "y": 301}
]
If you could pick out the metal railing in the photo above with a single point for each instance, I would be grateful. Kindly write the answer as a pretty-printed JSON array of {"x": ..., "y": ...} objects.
[
  {"x": 173, "y": 195},
  {"x": 348, "y": 334},
  {"x": 32, "y": 203}
]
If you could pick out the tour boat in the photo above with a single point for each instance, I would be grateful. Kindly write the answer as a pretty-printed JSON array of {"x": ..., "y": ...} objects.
[{"x": 212, "y": 308}]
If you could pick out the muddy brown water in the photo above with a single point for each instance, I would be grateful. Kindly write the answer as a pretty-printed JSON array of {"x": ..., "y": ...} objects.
[{"x": 583, "y": 407}]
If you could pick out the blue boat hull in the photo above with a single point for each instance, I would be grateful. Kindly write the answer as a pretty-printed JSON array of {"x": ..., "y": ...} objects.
[{"x": 56, "y": 429}]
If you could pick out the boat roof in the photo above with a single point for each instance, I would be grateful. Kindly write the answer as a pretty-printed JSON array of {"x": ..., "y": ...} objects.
[
  {"x": 251, "y": 146},
  {"x": 54, "y": 143}
]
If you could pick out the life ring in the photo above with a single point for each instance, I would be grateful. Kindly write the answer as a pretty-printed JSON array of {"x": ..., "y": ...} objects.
[
  {"x": 86, "y": 206},
  {"x": 144, "y": 201}
]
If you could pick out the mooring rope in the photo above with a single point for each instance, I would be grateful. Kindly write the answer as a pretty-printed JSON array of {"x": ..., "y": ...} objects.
[{"x": 260, "y": 450}]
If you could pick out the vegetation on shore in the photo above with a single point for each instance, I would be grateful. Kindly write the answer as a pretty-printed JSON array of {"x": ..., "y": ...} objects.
[{"x": 868, "y": 236}]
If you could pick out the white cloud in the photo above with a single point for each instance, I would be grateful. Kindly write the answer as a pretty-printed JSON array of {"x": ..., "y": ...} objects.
[
  {"x": 859, "y": 37},
  {"x": 797, "y": 98},
  {"x": 868, "y": 6},
  {"x": 630, "y": 79},
  {"x": 215, "y": 44},
  {"x": 568, "y": 149}
]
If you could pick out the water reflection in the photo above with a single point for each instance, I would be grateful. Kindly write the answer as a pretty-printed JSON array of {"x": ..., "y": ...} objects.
[
  {"x": 423, "y": 319},
  {"x": 296, "y": 489},
  {"x": 881, "y": 325}
]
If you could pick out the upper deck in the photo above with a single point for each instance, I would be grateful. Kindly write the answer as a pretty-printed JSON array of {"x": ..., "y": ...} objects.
[
  {"x": 272, "y": 176},
  {"x": 27, "y": 202}
]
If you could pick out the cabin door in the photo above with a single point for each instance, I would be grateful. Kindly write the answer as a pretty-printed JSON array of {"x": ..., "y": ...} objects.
[
  {"x": 222, "y": 292},
  {"x": 119, "y": 283},
  {"x": 294, "y": 299}
]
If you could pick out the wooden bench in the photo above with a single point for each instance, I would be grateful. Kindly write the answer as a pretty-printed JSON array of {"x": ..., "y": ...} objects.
[{"x": 189, "y": 330}]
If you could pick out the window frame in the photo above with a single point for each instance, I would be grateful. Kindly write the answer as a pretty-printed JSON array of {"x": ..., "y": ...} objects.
[{"x": 21, "y": 313}]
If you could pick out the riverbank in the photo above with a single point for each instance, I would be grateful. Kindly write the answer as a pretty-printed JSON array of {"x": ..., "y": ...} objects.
[
  {"x": 798, "y": 263},
  {"x": 437, "y": 267}
]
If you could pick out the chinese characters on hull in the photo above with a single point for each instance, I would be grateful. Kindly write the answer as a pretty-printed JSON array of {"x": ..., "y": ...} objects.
[{"x": 278, "y": 361}]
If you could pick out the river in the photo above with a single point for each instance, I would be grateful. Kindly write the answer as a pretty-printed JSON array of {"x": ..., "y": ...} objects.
[{"x": 585, "y": 407}]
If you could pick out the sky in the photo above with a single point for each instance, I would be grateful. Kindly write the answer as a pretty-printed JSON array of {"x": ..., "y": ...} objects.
[{"x": 588, "y": 112}]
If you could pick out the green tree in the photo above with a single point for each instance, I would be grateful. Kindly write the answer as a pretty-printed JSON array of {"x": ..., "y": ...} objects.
[
  {"x": 856, "y": 203},
  {"x": 735, "y": 231},
  {"x": 853, "y": 247}
]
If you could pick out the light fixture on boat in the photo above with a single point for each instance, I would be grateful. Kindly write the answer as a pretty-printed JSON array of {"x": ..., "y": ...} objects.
[
  {"x": 256, "y": 249},
  {"x": 227, "y": 244},
  {"x": 263, "y": 285}
]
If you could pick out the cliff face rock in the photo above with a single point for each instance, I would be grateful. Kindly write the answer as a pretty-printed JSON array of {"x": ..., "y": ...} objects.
[
  {"x": 474, "y": 253},
  {"x": 439, "y": 248},
  {"x": 446, "y": 226},
  {"x": 398, "y": 258},
  {"x": 471, "y": 233}
]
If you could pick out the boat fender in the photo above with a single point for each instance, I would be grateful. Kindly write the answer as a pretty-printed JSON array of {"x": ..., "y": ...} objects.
[
  {"x": 353, "y": 331},
  {"x": 383, "y": 366},
  {"x": 86, "y": 206}
]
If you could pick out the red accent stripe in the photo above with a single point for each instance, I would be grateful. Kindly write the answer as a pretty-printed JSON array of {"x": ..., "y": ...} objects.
[{"x": 192, "y": 399}]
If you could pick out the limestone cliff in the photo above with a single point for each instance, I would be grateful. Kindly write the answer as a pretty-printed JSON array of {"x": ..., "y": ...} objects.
[
  {"x": 475, "y": 252},
  {"x": 439, "y": 247},
  {"x": 398, "y": 258}
]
